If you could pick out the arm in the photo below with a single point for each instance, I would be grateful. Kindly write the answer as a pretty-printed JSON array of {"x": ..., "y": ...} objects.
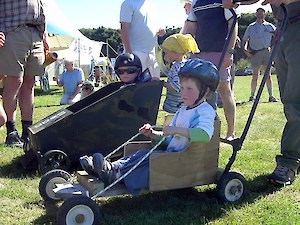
[
  {"x": 172, "y": 83},
  {"x": 58, "y": 82},
  {"x": 125, "y": 36},
  {"x": 80, "y": 82},
  {"x": 228, "y": 59},
  {"x": 279, "y": 2},
  {"x": 245, "y": 43},
  {"x": 189, "y": 27},
  {"x": 77, "y": 90},
  {"x": 229, "y": 4}
]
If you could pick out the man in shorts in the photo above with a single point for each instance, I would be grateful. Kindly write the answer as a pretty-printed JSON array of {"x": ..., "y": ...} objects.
[
  {"x": 257, "y": 46},
  {"x": 22, "y": 26},
  {"x": 139, "y": 33}
]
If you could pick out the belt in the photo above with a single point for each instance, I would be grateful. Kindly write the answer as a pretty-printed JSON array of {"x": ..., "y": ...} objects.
[
  {"x": 30, "y": 25},
  {"x": 294, "y": 19}
]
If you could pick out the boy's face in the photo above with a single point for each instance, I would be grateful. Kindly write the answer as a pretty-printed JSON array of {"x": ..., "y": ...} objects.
[
  {"x": 128, "y": 74},
  {"x": 86, "y": 91},
  {"x": 189, "y": 92}
]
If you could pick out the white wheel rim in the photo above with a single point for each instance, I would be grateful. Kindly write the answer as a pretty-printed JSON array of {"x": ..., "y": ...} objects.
[
  {"x": 80, "y": 214},
  {"x": 234, "y": 190},
  {"x": 52, "y": 184}
]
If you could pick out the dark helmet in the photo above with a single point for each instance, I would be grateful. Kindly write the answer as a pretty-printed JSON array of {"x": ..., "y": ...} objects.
[
  {"x": 128, "y": 59},
  {"x": 87, "y": 84},
  {"x": 204, "y": 70}
]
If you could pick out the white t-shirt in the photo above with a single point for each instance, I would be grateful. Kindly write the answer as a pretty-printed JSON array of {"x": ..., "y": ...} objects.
[
  {"x": 201, "y": 116},
  {"x": 143, "y": 27}
]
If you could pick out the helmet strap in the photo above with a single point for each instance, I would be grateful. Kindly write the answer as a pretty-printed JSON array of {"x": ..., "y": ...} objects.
[{"x": 202, "y": 93}]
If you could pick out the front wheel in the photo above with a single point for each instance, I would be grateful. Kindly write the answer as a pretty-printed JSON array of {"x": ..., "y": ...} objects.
[
  {"x": 79, "y": 210},
  {"x": 49, "y": 181},
  {"x": 231, "y": 187}
]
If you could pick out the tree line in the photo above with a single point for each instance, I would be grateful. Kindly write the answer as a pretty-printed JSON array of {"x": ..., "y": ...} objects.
[{"x": 113, "y": 38}]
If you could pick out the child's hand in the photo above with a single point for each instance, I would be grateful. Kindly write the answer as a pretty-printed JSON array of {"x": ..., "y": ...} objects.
[{"x": 146, "y": 130}]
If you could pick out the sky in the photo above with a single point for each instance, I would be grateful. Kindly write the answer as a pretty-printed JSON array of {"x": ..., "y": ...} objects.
[{"x": 97, "y": 13}]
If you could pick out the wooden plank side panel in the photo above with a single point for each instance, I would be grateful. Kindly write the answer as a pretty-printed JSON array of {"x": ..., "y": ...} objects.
[{"x": 196, "y": 165}]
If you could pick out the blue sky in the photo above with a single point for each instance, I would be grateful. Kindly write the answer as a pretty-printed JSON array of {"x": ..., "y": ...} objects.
[{"x": 96, "y": 13}]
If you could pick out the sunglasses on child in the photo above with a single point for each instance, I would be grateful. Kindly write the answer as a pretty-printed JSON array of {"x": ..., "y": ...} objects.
[{"x": 128, "y": 71}]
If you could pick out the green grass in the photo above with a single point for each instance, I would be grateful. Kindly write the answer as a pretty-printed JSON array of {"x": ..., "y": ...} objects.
[{"x": 264, "y": 204}]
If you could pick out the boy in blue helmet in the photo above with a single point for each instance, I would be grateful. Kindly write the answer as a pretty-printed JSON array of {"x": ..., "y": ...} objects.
[{"x": 193, "y": 122}]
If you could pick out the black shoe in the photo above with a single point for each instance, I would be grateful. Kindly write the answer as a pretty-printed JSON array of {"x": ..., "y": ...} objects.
[
  {"x": 272, "y": 99},
  {"x": 282, "y": 176},
  {"x": 13, "y": 140},
  {"x": 251, "y": 98}
]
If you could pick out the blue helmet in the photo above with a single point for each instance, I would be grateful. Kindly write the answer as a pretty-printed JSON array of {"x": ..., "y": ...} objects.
[{"x": 204, "y": 70}]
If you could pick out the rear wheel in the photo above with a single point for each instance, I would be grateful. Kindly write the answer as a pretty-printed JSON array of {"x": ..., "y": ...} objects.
[
  {"x": 48, "y": 183},
  {"x": 54, "y": 159},
  {"x": 231, "y": 187},
  {"x": 78, "y": 210}
]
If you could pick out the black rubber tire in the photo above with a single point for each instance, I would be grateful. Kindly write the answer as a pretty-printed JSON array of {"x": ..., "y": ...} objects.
[
  {"x": 48, "y": 181},
  {"x": 79, "y": 210},
  {"x": 54, "y": 159},
  {"x": 231, "y": 187}
]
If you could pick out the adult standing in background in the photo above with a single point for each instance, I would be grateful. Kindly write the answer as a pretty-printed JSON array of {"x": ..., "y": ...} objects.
[
  {"x": 257, "y": 46},
  {"x": 287, "y": 69},
  {"x": 139, "y": 33},
  {"x": 210, "y": 23},
  {"x": 22, "y": 31},
  {"x": 71, "y": 79}
]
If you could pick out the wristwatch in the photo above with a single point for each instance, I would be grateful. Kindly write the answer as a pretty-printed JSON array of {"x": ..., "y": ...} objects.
[{"x": 231, "y": 51}]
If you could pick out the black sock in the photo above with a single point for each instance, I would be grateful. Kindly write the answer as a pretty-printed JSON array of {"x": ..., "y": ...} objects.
[
  {"x": 10, "y": 126},
  {"x": 25, "y": 125}
]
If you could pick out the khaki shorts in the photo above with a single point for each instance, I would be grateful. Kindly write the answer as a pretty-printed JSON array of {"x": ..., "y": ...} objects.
[
  {"x": 260, "y": 58},
  {"x": 22, "y": 53}
]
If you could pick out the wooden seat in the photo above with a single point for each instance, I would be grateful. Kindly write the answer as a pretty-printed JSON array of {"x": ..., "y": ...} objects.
[{"x": 196, "y": 165}]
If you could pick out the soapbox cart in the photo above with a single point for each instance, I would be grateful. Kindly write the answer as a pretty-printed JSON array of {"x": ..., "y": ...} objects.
[
  {"x": 194, "y": 166},
  {"x": 100, "y": 122}
]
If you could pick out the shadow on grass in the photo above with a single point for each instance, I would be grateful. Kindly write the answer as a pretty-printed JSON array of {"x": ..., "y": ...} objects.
[
  {"x": 183, "y": 206},
  {"x": 47, "y": 106},
  {"x": 15, "y": 170},
  {"x": 39, "y": 92}
]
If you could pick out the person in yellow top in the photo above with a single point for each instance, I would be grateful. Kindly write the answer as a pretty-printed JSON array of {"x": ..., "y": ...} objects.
[{"x": 176, "y": 49}]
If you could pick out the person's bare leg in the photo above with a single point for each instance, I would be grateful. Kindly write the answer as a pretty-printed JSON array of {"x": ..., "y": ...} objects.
[
  {"x": 254, "y": 80},
  {"x": 10, "y": 94},
  {"x": 2, "y": 115},
  {"x": 11, "y": 89},
  {"x": 270, "y": 86},
  {"x": 26, "y": 98},
  {"x": 228, "y": 106}
]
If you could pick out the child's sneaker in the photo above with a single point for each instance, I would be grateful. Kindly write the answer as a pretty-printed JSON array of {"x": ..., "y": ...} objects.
[
  {"x": 104, "y": 169},
  {"x": 282, "y": 176},
  {"x": 86, "y": 163},
  {"x": 13, "y": 140}
]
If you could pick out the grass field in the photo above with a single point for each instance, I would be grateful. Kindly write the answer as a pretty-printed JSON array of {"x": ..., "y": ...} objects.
[{"x": 263, "y": 204}]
